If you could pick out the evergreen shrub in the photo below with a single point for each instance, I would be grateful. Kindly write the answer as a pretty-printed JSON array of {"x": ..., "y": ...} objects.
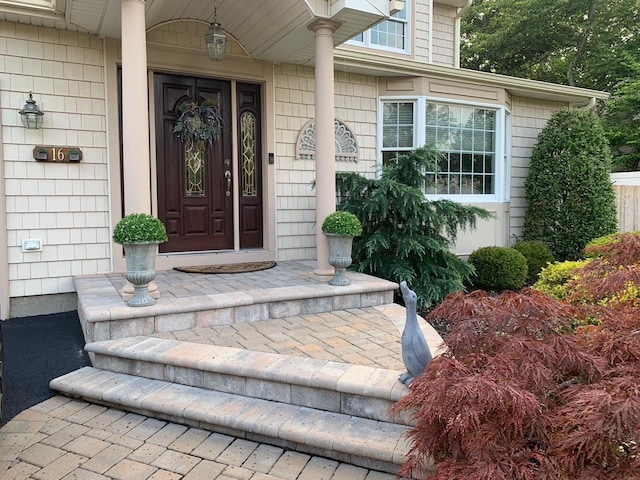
[
  {"x": 538, "y": 256},
  {"x": 568, "y": 190},
  {"x": 406, "y": 236},
  {"x": 498, "y": 268}
]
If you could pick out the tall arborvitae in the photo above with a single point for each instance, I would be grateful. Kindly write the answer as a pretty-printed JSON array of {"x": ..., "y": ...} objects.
[{"x": 569, "y": 193}]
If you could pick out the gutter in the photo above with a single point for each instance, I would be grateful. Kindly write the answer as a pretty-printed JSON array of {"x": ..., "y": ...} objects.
[
  {"x": 456, "y": 33},
  {"x": 383, "y": 66}
]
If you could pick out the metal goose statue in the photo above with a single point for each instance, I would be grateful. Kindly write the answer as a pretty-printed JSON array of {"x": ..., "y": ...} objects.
[{"x": 415, "y": 350}]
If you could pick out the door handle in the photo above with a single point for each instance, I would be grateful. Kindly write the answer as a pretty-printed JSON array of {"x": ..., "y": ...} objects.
[{"x": 227, "y": 175}]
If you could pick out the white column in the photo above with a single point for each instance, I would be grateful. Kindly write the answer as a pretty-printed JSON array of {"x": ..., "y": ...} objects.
[
  {"x": 325, "y": 137},
  {"x": 135, "y": 109}
]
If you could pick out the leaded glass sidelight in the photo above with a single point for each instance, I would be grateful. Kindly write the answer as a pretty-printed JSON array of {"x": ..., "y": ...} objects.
[
  {"x": 195, "y": 168},
  {"x": 249, "y": 154}
]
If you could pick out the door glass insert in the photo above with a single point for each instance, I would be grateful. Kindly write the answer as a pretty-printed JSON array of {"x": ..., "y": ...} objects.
[
  {"x": 195, "y": 168},
  {"x": 248, "y": 138}
]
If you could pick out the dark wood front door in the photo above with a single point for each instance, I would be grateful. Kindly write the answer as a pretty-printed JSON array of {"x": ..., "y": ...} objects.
[{"x": 201, "y": 218}]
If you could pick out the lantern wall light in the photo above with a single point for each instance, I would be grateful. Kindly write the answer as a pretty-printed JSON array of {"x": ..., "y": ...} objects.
[
  {"x": 31, "y": 114},
  {"x": 215, "y": 38}
]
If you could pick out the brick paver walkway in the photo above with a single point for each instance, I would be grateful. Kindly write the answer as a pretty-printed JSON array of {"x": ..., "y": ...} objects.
[
  {"x": 74, "y": 440},
  {"x": 362, "y": 336}
]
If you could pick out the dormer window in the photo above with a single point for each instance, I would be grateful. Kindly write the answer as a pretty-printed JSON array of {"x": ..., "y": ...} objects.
[{"x": 391, "y": 35}]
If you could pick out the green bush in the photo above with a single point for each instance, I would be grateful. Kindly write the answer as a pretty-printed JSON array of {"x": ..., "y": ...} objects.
[
  {"x": 342, "y": 223},
  {"x": 538, "y": 255},
  {"x": 554, "y": 278},
  {"x": 139, "y": 227},
  {"x": 406, "y": 236},
  {"x": 498, "y": 268},
  {"x": 568, "y": 190}
]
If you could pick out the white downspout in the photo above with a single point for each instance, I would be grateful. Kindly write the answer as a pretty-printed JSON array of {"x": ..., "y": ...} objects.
[
  {"x": 456, "y": 34},
  {"x": 587, "y": 105}
]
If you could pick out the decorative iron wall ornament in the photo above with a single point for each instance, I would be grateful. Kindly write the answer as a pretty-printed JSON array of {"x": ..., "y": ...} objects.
[{"x": 346, "y": 145}]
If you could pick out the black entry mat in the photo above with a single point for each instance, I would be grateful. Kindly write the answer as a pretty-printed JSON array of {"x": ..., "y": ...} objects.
[{"x": 37, "y": 350}]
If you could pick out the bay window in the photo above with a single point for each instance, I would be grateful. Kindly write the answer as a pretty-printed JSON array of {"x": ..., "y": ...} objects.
[{"x": 472, "y": 139}]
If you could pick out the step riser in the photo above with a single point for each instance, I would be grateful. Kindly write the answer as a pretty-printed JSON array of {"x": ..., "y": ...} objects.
[
  {"x": 306, "y": 396},
  {"x": 125, "y": 322},
  {"x": 367, "y": 443}
]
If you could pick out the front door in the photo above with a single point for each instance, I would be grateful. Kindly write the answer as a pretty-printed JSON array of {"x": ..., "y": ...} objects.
[{"x": 195, "y": 202}]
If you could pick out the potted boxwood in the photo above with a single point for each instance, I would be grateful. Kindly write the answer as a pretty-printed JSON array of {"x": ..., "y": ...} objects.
[
  {"x": 140, "y": 234},
  {"x": 340, "y": 227}
]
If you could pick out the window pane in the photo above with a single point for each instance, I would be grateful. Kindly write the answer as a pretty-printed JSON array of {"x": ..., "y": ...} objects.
[
  {"x": 389, "y": 113},
  {"x": 467, "y": 163},
  {"x": 466, "y": 184},
  {"x": 432, "y": 114},
  {"x": 478, "y": 163},
  {"x": 467, "y": 136},
  {"x": 405, "y": 113},
  {"x": 389, "y": 158},
  {"x": 454, "y": 163},
  {"x": 397, "y": 120},
  {"x": 389, "y": 137},
  {"x": 405, "y": 136},
  {"x": 489, "y": 161},
  {"x": 488, "y": 184},
  {"x": 430, "y": 187}
]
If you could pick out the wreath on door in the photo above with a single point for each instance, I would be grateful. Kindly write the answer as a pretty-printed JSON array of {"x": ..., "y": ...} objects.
[{"x": 197, "y": 125}]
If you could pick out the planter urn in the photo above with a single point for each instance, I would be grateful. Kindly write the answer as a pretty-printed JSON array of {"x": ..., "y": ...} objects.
[
  {"x": 141, "y": 264},
  {"x": 339, "y": 257}
]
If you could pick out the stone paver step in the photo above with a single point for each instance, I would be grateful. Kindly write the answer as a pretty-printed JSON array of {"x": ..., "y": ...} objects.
[
  {"x": 364, "y": 442},
  {"x": 357, "y": 390},
  {"x": 72, "y": 439},
  {"x": 193, "y": 300}
]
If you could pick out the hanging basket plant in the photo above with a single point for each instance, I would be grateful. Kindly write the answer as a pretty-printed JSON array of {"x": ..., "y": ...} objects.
[{"x": 198, "y": 123}]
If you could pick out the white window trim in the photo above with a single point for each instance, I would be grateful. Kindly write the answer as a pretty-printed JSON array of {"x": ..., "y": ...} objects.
[
  {"x": 503, "y": 143},
  {"x": 408, "y": 36}
]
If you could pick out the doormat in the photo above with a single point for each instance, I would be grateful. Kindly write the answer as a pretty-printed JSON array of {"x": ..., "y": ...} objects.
[{"x": 231, "y": 268}]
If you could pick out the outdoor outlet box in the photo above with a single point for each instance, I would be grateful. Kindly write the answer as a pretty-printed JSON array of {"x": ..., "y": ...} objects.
[{"x": 32, "y": 245}]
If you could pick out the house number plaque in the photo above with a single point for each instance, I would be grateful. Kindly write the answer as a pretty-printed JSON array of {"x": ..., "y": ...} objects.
[{"x": 57, "y": 154}]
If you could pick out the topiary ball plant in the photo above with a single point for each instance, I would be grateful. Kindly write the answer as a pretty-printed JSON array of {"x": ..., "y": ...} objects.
[
  {"x": 139, "y": 228},
  {"x": 538, "y": 256},
  {"x": 342, "y": 223},
  {"x": 498, "y": 268}
]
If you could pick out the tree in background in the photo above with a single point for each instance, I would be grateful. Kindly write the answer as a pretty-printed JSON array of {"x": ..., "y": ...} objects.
[
  {"x": 584, "y": 43},
  {"x": 569, "y": 194},
  {"x": 621, "y": 117},
  {"x": 405, "y": 236}
]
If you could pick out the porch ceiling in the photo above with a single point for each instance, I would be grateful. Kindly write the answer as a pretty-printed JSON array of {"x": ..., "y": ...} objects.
[{"x": 272, "y": 30}]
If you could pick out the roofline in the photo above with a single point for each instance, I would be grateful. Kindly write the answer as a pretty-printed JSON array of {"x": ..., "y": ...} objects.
[{"x": 382, "y": 65}]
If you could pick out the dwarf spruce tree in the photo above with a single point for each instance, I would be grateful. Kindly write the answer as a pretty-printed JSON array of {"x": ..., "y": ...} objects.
[
  {"x": 569, "y": 194},
  {"x": 405, "y": 236}
]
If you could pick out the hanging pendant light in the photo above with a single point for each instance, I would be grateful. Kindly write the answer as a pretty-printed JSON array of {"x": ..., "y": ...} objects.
[{"x": 215, "y": 38}]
